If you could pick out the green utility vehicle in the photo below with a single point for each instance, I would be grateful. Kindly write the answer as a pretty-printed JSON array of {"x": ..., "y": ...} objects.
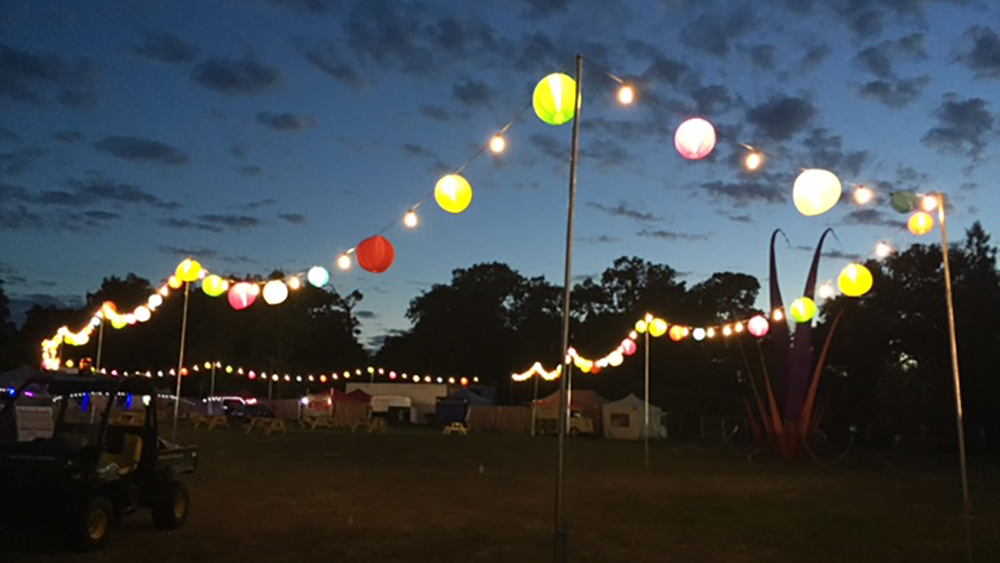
[{"x": 79, "y": 452}]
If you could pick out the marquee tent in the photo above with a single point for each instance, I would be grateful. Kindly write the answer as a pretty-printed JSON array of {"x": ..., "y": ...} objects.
[{"x": 624, "y": 419}]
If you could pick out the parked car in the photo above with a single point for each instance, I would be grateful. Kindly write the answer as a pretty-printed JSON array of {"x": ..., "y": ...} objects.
[{"x": 242, "y": 411}]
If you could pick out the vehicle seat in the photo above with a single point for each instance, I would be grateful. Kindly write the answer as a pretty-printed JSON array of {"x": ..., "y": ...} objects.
[{"x": 128, "y": 460}]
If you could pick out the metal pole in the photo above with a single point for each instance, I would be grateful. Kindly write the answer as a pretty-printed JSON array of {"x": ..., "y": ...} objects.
[
  {"x": 953, "y": 340},
  {"x": 100, "y": 343},
  {"x": 560, "y": 524},
  {"x": 536, "y": 376},
  {"x": 211, "y": 387},
  {"x": 180, "y": 362},
  {"x": 645, "y": 438}
]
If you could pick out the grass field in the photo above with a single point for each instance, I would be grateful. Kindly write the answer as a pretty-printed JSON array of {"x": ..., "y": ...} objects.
[{"x": 417, "y": 495}]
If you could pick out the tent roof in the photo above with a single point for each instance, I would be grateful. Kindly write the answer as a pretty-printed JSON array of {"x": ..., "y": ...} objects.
[
  {"x": 357, "y": 396},
  {"x": 16, "y": 377},
  {"x": 468, "y": 395},
  {"x": 581, "y": 398},
  {"x": 631, "y": 400}
]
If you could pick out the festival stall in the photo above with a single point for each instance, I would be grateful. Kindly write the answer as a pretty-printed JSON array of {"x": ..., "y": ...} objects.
[{"x": 625, "y": 418}]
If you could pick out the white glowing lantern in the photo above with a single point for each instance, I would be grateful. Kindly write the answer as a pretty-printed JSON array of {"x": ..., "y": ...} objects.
[
  {"x": 318, "y": 276},
  {"x": 142, "y": 314},
  {"x": 410, "y": 219},
  {"x": 816, "y": 192},
  {"x": 275, "y": 292},
  {"x": 497, "y": 144},
  {"x": 699, "y": 334},
  {"x": 344, "y": 262},
  {"x": 883, "y": 250},
  {"x": 615, "y": 359},
  {"x": 695, "y": 139},
  {"x": 155, "y": 300}
]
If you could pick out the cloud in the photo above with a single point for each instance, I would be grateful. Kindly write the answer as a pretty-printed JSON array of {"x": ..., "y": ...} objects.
[
  {"x": 895, "y": 94},
  {"x": 834, "y": 254},
  {"x": 99, "y": 190},
  {"x": 239, "y": 150},
  {"x": 78, "y": 99},
  {"x": 247, "y": 76},
  {"x": 179, "y": 252},
  {"x": 23, "y": 73},
  {"x": 68, "y": 137},
  {"x": 781, "y": 117},
  {"x": 763, "y": 56},
  {"x": 100, "y": 215},
  {"x": 622, "y": 209},
  {"x": 250, "y": 171},
  {"x": 550, "y": 146},
  {"x": 166, "y": 48},
  {"x": 712, "y": 100},
  {"x": 231, "y": 221},
  {"x": 964, "y": 126},
  {"x": 19, "y": 209},
  {"x": 314, "y": 7},
  {"x": 711, "y": 34},
  {"x": 437, "y": 113},
  {"x": 258, "y": 204},
  {"x": 414, "y": 150},
  {"x": 388, "y": 33},
  {"x": 286, "y": 122},
  {"x": 743, "y": 194},
  {"x": 188, "y": 224},
  {"x": 826, "y": 152},
  {"x": 8, "y": 135},
  {"x": 20, "y": 218},
  {"x": 878, "y": 59},
  {"x": 326, "y": 58},
  {"x": 600, "y": 239},
  {"x": 983, "y": 55},
  {"x": 872, "y": 217},
  {"x": 15, "y": 163},
  {"x": 605, "y": 153},
  {"x": 365, "y": 314},
  {"x": 10, "y": 276},
  {"x": 472, "y": 93},
  {"x": 667, "y": 71},
  {"x": 814, "y": 57},
  {"x": 670, "y": 235},
  {"x": 544, "y": 8},
  {"x": 875, "y": 61},
  {"x": 137, "y": 149},
  {"x": 293, "y": 218}
]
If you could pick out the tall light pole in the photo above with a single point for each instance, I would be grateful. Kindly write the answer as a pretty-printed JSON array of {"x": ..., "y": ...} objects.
[
  {"x": 180, "y": 362},
  {"x": 645, "y": 434}
]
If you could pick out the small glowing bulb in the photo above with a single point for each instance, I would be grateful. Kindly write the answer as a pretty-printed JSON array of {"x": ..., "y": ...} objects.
[
  {"x": 410, "y": 219},
  {"x": 863, "y": 195},
  {"x": 753, "y": 161},
  {"x": 778, "y": 315},
  {"x": 344, "y": 262},
  {"x": 294, "y": 283},
  {"x": 928, "y": 203},
  {"x": 826, "y": 291},
  {"x": 626, "y": 95},
  {"x": 883, "y": 250},
  {"x": 497, "y": 144}
]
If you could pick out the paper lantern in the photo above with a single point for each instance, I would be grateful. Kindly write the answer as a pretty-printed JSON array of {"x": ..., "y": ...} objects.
[
  {"x": 154, "y": 301},
  {"x": 758, "y": 326},
  {"x": 174, "y": 282},
  {"x": 904, "y": 201},
  {"x": 453, "y": 193},
  {"x": 142, "y": 314},
  {"x": 554, "y": 99},
  {"x": 698, "y": 334},
  {"x": 855, "y": 280},
  {"x": 118, "y": 322},
  {"x": 242, "y": 295},
  {"x": 628, "y": 346},
  {"x": 615, "y": 359},
  {"x": 188, "y": 270},
  {"x": 657, "y": 328},
  {"x": 803, "y": 310},
  {"x": 275, "y": 292},
  {"x": 375, "y": 254},
  {"x": 677, "y": 333},
  {"x": 214, "y": 286},
  {"x": 816, "y": 192},
  {"x": 920, "y": 223},
  {"x": 640, "y": 326},
  {"x": 318, "y": 276},
  {"x": 695, "y": 139}
]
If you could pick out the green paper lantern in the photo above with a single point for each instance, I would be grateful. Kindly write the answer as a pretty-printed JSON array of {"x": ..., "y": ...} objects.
[
  {"x": 803, "y": 310},
  {"x": 554, "y": 99},
  {"x": 903, "y": 202},
  {"x": 214, "y": 286}
]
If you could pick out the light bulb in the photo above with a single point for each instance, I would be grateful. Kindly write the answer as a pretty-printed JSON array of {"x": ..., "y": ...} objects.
[
  {"x": 626, "y": 95},
  {"x": 497, "y": 144},
  {"x": 410, "y": 219}
]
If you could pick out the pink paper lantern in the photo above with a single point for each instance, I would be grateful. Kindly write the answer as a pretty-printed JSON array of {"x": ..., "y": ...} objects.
[
  {"x": 695, "y": 139},
  {"x": 758, "y": 326},
  {"x": 242, "y": 295},
  {"x": 628, "y": 346}
]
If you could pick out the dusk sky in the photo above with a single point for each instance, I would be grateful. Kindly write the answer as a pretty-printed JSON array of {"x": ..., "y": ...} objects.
[{"x": 263, "y": 134}]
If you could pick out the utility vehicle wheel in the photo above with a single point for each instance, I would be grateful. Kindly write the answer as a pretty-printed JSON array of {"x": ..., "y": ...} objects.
[
  {"x": 170, "y": 512},
  {"x": 574, "y": 432},
  {"x": 89, "y": 526}
]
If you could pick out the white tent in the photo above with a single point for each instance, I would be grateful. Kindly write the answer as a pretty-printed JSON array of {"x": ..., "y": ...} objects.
[{"x": 624, "y": 419}]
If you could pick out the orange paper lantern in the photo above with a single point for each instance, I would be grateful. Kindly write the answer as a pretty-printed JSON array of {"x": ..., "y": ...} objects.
[
  {"x": 678, "y": 332},
  {"x": 375, "y": 254}
]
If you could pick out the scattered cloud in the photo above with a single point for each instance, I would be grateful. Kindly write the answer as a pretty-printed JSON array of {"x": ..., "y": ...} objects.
[
  {"x": 166, "y": 48},
  {"x": 826, "y": 151},
  {"x": 231, "y": 221},
  {"x": 365, "y": 314},
  {"x": 834, "y": 254},
  {"x": 472, "y": 93},
  {"x": 172, "y": 223},
  {"x": 762, "y": 56},
  {"x": 8, "y": 135},
  {"x": 15, "y": 163},
  {"x": 711, "y": 33},
  {"x": 293, "y": 218},
  {"x": 872, "y": 217},
  {"x": 79, "y": 99},
  {"x": 550, "y": 146},
  {"x": 68, "y": 137},
  {"x": 983, "y": 52},
  {"x": 745, "y": 193},
  {"x": 600, "y": 239},
  {"x": 313, "y": 7},
  {"x": 964, "y": 126},
  {"x": 239, "y": 150},
  {"x": 180, "y": 252},
  {"x": 24, "y": 74},
  {"x": 622, "y": 209},
  {"x": 286, "y": 122},
  {"x": 895, "y": 94},
  {"x": 781, "y": 117},
  {"x": 712, "y": 100},
  {"x": 814, "y": 57},
  {"x": 250, "y": 171},
  {"x": 258, "y": 204},
  {"x": 670, "y": 235},
  {"x": 247, "y": 76},
  {"x": 327, "y": 58},
  {"x": 137, "y": 149},
  {"x": 437, "y": 113},
  {"x": 389, "y": 33}
]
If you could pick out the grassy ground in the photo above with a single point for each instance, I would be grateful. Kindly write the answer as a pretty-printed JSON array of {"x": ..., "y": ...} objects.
[{"x": 422, "y": 496}]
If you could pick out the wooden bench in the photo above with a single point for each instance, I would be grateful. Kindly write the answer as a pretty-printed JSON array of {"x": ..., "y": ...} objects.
[
  {"x": 371, "y": 425},
  {"x": 314, "y": 422},
  {"x": 457, "y": 428},
  {"x": 210, "y": 421},
  {"x": 268, "y": 425}
]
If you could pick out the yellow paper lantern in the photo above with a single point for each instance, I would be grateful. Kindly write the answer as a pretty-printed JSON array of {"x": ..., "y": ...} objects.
[
  {"x": 920, "y": 223},
  {"x": 657, "y": 328},
  {"x": 640, "y": 326},
  {"x": 803, "y": 310},
  {"x": 275, "y": 292},
  {"x": 175, "y": 282},
  {"x": 214, "y": 286},
  {"x": 188, "y": 271},
  {"x": 453, "y": 193},
  {"x": 554, "y": 99},
  {"x": 855, "y": 280},
  {"x": 118, "y": 322},
  {"x": 816, "y": 192}
]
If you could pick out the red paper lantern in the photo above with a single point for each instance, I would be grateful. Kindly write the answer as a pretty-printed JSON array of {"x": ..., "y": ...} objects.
[
  {"x": 758, "y": 326},
  {"x": 375, "y": 254},
  {"x": 628, "y": 346},
  {"x": 242, "y": 295}
]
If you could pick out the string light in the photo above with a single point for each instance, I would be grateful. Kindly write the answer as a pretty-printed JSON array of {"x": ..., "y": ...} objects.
[
  {"x": 626, "y": 95},
  {"x": 294, "y": 283},
  {"x": 826, "y": 291},
  {"x": 497, "y": 144},
  {"x": 410, "y": 219},
  {"x": 863, "y": 195},
  {"x": 928, "y": 203},
  {"x": 753, "y": 161},
  {"x": 883, "y": 250},
  {"x": 344, "y": 262}
]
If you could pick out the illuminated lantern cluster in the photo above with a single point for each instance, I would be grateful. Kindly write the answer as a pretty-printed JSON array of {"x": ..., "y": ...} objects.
[
  {"x": 803, "y": 310},
  {"x": 816, "y": 192},
  {"x": 695, "y": 139},
  {"x": 855, "y": 280},
  {"x": 453, "y": 193},
  {"x": 375, "y": 254},
  {"x": 554, "y": 99}
]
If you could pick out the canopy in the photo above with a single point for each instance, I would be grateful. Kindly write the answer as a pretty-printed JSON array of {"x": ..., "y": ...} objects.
[
  {"x": 582, "y": 399},
  {"x": 625, "y": 419}
]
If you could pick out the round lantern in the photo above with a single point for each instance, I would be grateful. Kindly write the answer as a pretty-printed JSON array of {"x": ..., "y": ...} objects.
[
  {"x": 242, "y": 295},
  {"x": 453, "y": 193},
  {"x": 657, "y": 328},
  {"x": 214, "y": 286},
  {"x": 154, "y": 301},
  {"x": 640, "y": 326},
  {"x": 142, "y": 314},
  {"x": 920, "y": 223},
  {"x": 815, "y": 192},
  {"x": 174, "y": 282},
  {"x": 375, "y": 254},
  {"x": 904, "y": 201},
  {"x": 855, "y": 280},
  {"x": 615, "y": 359},
  {"x": 188, "y": 270},
  {"x": 318, "y": 276},
  {"x": 554, "y": 99},
  {"x": 677, "y": 333},
  {"x": 118, "y": 322},
  {"x": 758, "y": 326},
  {"x": 695, "y": 139},
  {"x": 803, "y": 310},
  {"x": 275, "y": 292},
  {"x": 628, "y": 346},
  {"x": 698, "y": 334}
]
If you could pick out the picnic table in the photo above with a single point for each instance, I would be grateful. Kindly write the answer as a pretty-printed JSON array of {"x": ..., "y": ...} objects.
[
  {"x": 210, "y": 421},
  {"x": 267, "y": 424},
  {"x": 313, "y": 422},
  {"x": 457, "y": 428},
  {"x": 371, "y": 425}
]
